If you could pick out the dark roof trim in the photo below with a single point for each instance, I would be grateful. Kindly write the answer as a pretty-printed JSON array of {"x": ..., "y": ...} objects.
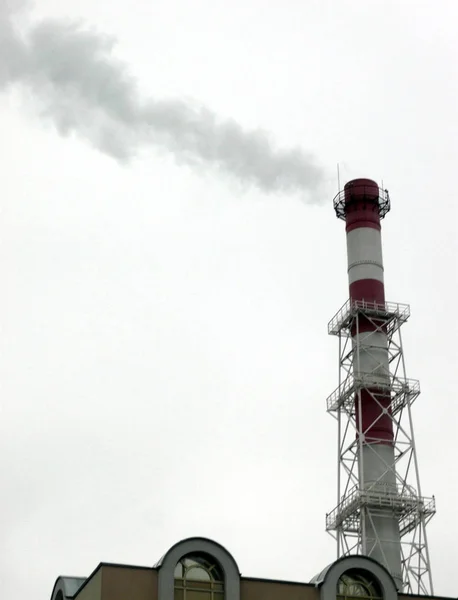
[
  {"x": 281, "y": 581},
  {"x": 124, "y": 566}
]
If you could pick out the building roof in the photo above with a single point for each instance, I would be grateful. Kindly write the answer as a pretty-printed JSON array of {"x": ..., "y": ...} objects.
[{"x": 67, "y": 585}]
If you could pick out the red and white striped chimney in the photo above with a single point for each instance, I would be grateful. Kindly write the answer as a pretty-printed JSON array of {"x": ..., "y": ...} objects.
[{"x": 362, "y": 209}]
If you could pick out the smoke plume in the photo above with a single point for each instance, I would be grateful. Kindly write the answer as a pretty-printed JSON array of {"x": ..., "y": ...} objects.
[{"x": 71, "y": 74}]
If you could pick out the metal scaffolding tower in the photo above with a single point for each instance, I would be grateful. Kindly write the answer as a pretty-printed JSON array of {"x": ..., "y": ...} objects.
[{"x": 361, "y": 504}]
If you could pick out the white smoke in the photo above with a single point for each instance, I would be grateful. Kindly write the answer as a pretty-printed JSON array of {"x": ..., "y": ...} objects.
[{"x": 78, "y": 84}]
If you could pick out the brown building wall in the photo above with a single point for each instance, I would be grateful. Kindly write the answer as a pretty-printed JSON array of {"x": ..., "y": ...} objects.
[
  {"x": 253, "y": 589},
  {"x": 121, "y": 583},
  {"x": 92, "y": 590},
  {"x": 118, "y": 582}
]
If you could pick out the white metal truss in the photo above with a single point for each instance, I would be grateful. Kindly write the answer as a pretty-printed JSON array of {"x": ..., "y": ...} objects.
[{"x": 356, "y": 502}]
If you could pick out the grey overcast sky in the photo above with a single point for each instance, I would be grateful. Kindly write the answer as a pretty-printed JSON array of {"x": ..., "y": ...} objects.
[{"x": 168, "y": 275}]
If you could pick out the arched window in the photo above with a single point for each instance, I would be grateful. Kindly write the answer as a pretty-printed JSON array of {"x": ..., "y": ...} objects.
[
  {"x": 358, "y": 585},
  {"x": 198, "y": 577}
]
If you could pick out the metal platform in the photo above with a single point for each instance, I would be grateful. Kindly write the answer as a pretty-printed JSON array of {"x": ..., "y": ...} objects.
[
  {"x": 364, "y": 193},
  {"x": 390, "y": 314},
  {"x": 402, "y": 391},
  {"x": 409, "y": 508}
]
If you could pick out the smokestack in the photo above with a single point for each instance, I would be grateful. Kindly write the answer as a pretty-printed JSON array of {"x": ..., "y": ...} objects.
[
  {"x": 380, "y": 511},
  {"x": 365, "y": 276}
]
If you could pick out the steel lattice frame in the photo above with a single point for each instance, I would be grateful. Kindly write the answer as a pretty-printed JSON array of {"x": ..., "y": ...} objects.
[{"x": 355, "y": 499}]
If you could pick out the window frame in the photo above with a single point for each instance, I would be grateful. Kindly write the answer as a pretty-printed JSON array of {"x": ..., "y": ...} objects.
[
  {"x": 210, "y": 588},
  {"x": 362, "y": 578}
]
